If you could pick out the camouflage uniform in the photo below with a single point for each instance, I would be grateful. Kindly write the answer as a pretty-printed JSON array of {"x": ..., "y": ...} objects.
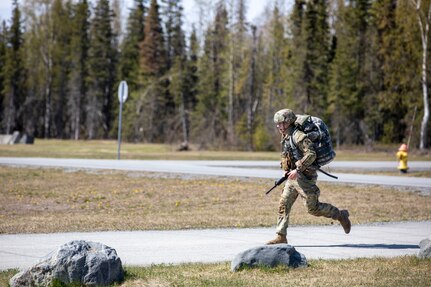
[{"x": 304, "y": 185}]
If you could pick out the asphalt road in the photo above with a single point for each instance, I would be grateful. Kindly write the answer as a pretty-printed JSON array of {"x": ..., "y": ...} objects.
[
  {"x": 143, "y": 248},
  {"x": 256, "y": 169}
]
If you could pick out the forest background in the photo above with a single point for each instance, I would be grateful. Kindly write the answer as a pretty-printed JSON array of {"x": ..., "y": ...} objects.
[{"x": 360, "y": 65}]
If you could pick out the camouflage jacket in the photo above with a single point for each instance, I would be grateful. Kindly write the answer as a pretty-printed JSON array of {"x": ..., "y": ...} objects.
[{"x": 297, "y": 152}]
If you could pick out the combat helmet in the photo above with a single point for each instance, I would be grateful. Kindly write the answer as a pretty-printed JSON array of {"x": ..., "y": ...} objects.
[{"x": 284, "y": 115}]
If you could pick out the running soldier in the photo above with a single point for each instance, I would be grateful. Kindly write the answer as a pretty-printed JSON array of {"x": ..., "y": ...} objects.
[{"x": 297, "y": 158}]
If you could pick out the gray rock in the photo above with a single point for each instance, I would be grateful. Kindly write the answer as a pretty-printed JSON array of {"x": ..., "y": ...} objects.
[
  {"x": 15, "y": 137},
  {"x": 425, "y": 246},
  {"x": 269, "y": 256},
  {"x": 84, "y": 262},
  {"x": 5, "y": 139},
  {"x": 26, "y": 139}
]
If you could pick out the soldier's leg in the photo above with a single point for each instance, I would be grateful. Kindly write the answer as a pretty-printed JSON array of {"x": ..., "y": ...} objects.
[
  {"x": 287, "y": 199},
  {"x": 317, "y": 208}
]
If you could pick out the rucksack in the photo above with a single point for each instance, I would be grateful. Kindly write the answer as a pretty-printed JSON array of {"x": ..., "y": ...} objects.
[{"x": 317, "y": 131}]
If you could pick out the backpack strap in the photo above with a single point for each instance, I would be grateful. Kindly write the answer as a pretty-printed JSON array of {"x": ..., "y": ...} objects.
[
  {"x": 301, "y": 121},
  {"x": 293, "y": 140}
]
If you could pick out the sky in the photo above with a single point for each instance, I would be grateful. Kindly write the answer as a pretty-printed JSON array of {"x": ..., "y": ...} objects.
[{"x": 254, "y": 9}]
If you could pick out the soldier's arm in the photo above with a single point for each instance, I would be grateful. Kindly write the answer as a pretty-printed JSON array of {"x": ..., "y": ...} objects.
[{"x": 307, "y": 148}]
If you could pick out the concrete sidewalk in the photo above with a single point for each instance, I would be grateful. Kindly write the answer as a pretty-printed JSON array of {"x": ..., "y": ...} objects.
[{"x": 216, "y": 245}]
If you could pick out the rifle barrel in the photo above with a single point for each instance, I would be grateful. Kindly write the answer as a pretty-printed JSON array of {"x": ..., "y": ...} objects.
[{"x": 277, "y": 183}]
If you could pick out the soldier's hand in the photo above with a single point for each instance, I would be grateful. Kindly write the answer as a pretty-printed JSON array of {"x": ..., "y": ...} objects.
[{"x": 293, "y": 174}]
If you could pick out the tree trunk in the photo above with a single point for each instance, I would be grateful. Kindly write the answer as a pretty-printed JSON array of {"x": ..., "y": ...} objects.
[
  {"x": 48, "y": 110},
  {"x": 424, "y": 123},
  {"x": 252, "y": 101},
  {"x": 424, "y": 23},
  {"x": 230, "y": 123}
]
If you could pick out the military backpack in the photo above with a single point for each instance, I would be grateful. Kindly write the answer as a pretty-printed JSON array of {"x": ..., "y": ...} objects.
[{"x": 317, "y": 131}]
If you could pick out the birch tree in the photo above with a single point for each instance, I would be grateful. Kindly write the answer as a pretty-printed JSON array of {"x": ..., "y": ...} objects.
[{"x": 423, "y": 15}]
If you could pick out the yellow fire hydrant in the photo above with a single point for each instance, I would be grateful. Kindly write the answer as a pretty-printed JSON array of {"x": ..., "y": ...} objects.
[{"x": 402, "y": 156}]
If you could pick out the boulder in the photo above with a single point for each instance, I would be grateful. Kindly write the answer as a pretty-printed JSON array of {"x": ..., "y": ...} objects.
[
  {"x": 26, "y": 139},
  {"x": 16, "y": 138},
  {"x": 5, "y": 139},
  {"x": 79, "y": 262},
  {"x": 425, "y": 246},
  {"x": 269, "y": 256}
]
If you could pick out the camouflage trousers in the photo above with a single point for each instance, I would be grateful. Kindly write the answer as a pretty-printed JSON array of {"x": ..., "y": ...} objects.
[{"x": 306, "y": 188}]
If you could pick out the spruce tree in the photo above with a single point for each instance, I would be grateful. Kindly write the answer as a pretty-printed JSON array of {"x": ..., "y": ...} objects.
[
  {"x": 192, "y": 68},
  {"x": 252, "y": 95},
  {"x": 276, "y": 93},
  {"x": 176, "y": 97},
  {"x": 153, "y": 52},
  {"x": 348, "y": 73},
  {"x": 154, "y": 103},
  {"x": 210, "y": 116},
  {"x": 102, "y": 76},
  {"x": 39, "y": 40},
  {"x": 168, "y": 12},
  {"x": 308, "y": 57},
  {"x": 295, "y": 87},
  {"x": 191, "y": 80},
  {"x": 384, "y": 101},
  {"x": 77, "y": 84},
  {"x": 178, "y": 87},
  {"x": 61, "y": 68},
  {"x": 238, "y": 43},
  {"x": 13, "y": 73},
  {"x": 129, "y": 69},
  {"x": 316, "y": 62},
  {"x": 129, "y": 60},
  {"x": 278, "y": 49}
]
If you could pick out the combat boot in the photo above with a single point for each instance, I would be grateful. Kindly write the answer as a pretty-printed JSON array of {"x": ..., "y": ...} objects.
[
  {"x": 281, "y": 238},
  {"x": 343, "y": 217}
]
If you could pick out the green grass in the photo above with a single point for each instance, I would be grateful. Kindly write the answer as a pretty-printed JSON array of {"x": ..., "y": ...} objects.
[
  {"x": 388, "y": 272},
  {"x": 107, "y": 149},
  {"x": 402, "y": 271}
]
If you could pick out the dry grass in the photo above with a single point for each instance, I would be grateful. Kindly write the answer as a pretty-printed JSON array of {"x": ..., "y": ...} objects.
[
  {"x": 402, "y": 271},
  {"x": 389, "y": 272},
  {"x": 54, "y": 200},
  {"x": 107, "y": 149}
]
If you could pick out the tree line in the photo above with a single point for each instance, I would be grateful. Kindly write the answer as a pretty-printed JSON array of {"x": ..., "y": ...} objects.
[{"x": 361, "y": 65}]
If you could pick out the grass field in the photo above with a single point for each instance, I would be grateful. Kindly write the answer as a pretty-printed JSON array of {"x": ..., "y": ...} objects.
[
  {"x": 407, "y": 271},
  {"x": 103, "y": 149},
  {"x": 43, "y": 200},
  {"x": 52, "y": 200}
]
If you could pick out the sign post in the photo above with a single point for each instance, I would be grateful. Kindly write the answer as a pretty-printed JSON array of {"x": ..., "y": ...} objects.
[{"x": 122, "y": 97}]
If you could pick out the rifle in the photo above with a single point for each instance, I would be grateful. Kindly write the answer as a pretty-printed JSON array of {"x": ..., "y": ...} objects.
[
  {"x": 281, "y": 180},
  {"x": 277, "y": 183}
]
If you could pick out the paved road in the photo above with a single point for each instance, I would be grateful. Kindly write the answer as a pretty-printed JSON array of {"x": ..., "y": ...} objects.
[
  {"x": 142, "y": 248},
  {"x": 155, "y": 247},
  {"x": 258, "y": 169}
]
